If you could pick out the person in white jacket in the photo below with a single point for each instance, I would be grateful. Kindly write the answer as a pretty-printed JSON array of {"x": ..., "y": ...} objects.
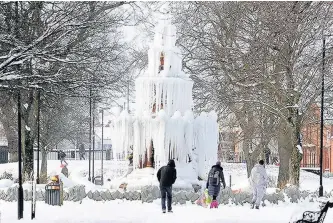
[{"x": 258, "y": 180}]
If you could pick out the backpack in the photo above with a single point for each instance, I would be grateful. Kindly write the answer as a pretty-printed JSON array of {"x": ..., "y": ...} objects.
[{"x": 214, "y": 177}]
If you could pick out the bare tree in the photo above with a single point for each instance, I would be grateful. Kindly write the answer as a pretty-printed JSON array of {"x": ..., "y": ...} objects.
[
  {"x": 61, "y": 48},
  {"x": 256, "y": 55},
  {"x": 62, "y": 118}
]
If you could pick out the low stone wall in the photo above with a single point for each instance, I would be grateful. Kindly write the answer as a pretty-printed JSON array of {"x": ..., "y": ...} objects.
[{"x": 150, "y": 193}]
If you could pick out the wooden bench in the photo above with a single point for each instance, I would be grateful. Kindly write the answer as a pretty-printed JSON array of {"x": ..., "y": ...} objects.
[{"x": 316, "y": 216}]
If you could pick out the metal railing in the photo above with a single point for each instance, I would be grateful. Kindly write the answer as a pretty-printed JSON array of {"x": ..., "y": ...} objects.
[
  {"x": 4, "y": 158},
  {"x": 76, "y": 155}
]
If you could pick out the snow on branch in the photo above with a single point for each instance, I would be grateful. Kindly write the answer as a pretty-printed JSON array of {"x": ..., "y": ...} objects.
[{"x": 270, "y": 107}]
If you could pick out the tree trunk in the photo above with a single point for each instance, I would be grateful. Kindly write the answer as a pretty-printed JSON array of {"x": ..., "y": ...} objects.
[
  {"x": 251, "y": 155},
  {"x": 250, "y": 162},
  {"x": 284, "y": 148},
  {"x": 29, "y": 154},
  {"x": 283, "y": 176},
  {"x": 43, "y": 168},
  {"x": 13, "y": 156},
  {"x": 295, "y": 160},
  {"x": 10, "y": 129},
  {"x": 29, "y": 128},
  {"x": 8, "y": 119}
]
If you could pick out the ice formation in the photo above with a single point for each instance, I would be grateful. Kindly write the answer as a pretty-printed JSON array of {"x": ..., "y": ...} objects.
[{"x": 164, "y": 126}]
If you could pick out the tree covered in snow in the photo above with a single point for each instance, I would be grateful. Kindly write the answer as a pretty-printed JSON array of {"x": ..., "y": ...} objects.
[
  {"x": 261, "y": 60},
  {"x": 61, "y": 49},
  {"x": 62, "y": 118},
  {"x": 8, "y": 119}
]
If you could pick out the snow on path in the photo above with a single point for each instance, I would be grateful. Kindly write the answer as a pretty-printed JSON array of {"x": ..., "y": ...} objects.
[
  {"x": 125, "y": 211},
  {"x": 308, "y": 181},
  {"x": 78, "y": 170}
]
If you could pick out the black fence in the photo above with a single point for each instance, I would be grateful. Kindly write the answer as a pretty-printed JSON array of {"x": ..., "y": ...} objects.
[
  {"x": 4, "y": 158},
  {"x": 309, "y": 160},
  {"x": 76, "y": 155},
  {"x": 70, "y": 155}
]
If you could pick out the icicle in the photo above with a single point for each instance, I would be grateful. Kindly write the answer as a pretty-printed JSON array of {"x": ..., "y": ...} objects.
[
  {"x": 173, "y": 135},
  {"x": 188, "y": 119},
  {"x": 174, "y": 93}
]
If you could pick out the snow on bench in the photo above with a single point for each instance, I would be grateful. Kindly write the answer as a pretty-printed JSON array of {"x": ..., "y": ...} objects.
[{"x": 316, "y": 216}]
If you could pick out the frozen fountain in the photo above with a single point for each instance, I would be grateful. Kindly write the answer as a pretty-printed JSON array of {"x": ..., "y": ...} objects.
[{"x": 164, "y": 126}]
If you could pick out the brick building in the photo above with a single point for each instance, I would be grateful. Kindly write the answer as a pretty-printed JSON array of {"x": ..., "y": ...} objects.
[{"x": 311, "y": 142}]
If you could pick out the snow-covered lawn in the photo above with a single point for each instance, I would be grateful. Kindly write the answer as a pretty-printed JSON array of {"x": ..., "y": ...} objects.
[
  {"x": 78, "y": 171},
  {"x": 126, "y": 211},
  {"x": 308, "y": 181},
  {"x": 121, "y": 211},
  {"x": 113, "y": 170}
]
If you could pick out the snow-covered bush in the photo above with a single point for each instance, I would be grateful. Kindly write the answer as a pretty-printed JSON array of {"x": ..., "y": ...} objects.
[
  {"x": 293, "y": 193},
  {"x": 6, "y": 175},
  {"x": 328, "y": 175}
]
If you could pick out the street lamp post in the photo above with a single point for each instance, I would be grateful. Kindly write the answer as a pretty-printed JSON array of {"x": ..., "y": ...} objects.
[
  {"x": 321, "y": 189},
  {"x": 38, "y": 129},
  {"x": 102, "y": 175},
  {"x": 93, "y": 154},
  {"x": 89, "y": 175},
  {"x": 20, "y": 188},
  {"x": 128, "y": 86}
]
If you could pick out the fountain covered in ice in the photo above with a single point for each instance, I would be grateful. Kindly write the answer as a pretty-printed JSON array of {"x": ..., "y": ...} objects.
[{"x": 164, "y": 126}]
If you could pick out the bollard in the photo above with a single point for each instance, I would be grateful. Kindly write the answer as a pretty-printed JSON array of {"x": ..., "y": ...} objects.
[
  {"x": 230, "y": 180},
  {"x": 61, "y": 193}
]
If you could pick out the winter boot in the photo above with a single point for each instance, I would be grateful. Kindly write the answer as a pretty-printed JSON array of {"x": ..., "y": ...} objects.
[
  {"x": 214, "y": 204},
  {"x": 170, "y": 211},
  {"x": 257, "y": 207},
  {"x": 252, "y": 205},
  {"x": 163, "y": 211}
]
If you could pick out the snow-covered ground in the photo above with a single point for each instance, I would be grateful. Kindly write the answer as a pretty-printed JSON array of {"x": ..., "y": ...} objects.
[
  {"x": 115, "y": 170},
  {"x": 90, "y": 211},
  {"x": 78, "y": 171},
  {"x": 308, "y": 181},
  {"x": 126, "y": 211}
]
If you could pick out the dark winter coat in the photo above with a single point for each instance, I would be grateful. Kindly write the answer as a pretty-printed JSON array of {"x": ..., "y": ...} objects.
[
  {"x": 61, "y": 154},
  {"x": 82, "y": 149},
  {"x": 215, "y": 177},
  {"x": 167, "y": 175}
]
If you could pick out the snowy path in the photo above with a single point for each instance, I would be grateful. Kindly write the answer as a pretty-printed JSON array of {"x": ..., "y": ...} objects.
[{"x": 125, "y": 212}]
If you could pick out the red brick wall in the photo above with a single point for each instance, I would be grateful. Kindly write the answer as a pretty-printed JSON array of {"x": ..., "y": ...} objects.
[{"x": 311, "y": 143}]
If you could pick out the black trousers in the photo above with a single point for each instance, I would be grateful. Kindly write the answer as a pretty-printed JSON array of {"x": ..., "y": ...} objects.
[{"x": 166, "y": 192}]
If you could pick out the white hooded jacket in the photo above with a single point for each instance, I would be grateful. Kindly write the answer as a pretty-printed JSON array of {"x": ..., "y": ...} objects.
[{"x": 258, "y": 176}]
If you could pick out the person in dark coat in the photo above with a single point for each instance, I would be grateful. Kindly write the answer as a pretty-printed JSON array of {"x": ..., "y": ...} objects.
[
  {"x": 82, "y": 152},
  {"x": 167, "y": 176},
  {"x": 215, "y": 177},
  {"x": 62, "y": 156}
]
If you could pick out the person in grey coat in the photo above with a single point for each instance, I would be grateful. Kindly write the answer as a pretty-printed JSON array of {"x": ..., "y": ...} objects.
[{"x": 215, "y": 178}]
